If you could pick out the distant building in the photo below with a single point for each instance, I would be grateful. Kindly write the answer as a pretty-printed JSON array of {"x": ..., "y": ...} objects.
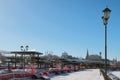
[
  {"x": 93, "y": 57},
  {"x": 118, "y": 64},
  {"x": 94, "y": 60},
  {"x": 114, "y": 63},
  {"x": 87, "y": 55}
]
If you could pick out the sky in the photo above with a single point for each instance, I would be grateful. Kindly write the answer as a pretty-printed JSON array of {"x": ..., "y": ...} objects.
[{"x": 56, "y": 26}]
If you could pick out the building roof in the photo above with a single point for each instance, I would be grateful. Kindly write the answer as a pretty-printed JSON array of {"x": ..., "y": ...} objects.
[{"x": 26, "y": 52}]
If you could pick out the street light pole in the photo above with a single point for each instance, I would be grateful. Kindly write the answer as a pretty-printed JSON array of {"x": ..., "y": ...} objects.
[
  {"x": 105, "y": 18},
  {"x": 106, "y": 49},
  {"x": 24, "y": 49}
]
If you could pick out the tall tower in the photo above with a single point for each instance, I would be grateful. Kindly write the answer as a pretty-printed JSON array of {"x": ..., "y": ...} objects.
[
  {"x": 100, "y": 53},
  {"x": 87, "y": 55}
]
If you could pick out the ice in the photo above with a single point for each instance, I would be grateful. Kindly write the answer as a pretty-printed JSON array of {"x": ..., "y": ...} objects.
[{"x": 116, "y": 73}]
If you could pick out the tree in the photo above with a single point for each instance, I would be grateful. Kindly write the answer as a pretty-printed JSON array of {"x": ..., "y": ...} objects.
[{"x": 49, "y": 56}]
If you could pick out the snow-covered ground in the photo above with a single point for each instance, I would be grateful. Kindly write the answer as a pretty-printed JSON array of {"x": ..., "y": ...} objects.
[
  {"x": 88, "y": 74},
  {"x": 116, "y": 73}
]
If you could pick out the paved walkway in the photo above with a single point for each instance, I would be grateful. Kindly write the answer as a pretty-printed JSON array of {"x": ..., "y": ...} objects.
[{"x": 88, "y": 74}]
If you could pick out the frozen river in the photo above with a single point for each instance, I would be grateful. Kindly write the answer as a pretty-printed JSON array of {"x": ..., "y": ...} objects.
[
  {"x": 116, "y": 73},
  {"x": 88, "y": 74}
]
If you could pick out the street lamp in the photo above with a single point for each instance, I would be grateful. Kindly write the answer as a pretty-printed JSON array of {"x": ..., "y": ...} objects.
[
  {"x": 105, "y": 18},
  {"x": 24, "y": 49}
]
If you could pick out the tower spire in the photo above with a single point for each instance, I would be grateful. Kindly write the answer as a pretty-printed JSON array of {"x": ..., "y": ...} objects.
[
  {"x": 100, "y": 53},
  {"x": 87, "y": 55}
]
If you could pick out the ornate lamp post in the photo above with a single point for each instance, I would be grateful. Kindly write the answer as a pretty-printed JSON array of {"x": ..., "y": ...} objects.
[
  {"x": 105, "y": 18},
  {"x": 24, "y": 49}
]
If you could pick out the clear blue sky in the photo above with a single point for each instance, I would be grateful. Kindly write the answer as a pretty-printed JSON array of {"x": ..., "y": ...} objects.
[{"x": 59, "y": 25}]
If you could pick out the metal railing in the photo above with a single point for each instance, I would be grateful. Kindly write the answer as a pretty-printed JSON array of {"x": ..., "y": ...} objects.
[{"x": 106, "y": 77}]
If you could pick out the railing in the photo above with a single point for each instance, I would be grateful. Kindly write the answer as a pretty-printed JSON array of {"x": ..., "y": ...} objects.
[
  {"x": 106, "y": 77},
  {"x": 113, "y": 77}
]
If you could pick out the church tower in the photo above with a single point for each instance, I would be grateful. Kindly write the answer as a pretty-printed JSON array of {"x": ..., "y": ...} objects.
[{"x": 87, "y": 55}]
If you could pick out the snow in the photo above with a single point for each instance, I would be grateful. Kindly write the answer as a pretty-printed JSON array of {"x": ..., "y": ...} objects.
[
  {"x": 87, "y": 74},
  {"x": 116, "y": 73}
]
